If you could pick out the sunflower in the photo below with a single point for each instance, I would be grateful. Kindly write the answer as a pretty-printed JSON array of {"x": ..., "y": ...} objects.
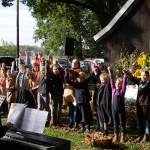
[
  {"x": 141, "y": 60},
  {"x": 137, "y": 73}
]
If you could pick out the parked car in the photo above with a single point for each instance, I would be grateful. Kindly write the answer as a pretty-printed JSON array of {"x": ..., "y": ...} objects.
[
  {"x": 98, "y": 62},
  {"x": 65, "y": 63},
  {"x": 7, "y": 60},
  {"x": 82, "y": 64}
]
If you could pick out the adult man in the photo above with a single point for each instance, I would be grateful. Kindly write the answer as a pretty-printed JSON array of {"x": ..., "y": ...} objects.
[
  {"x": 44, "y": 90},
  {"x": 24, "y": 91}
]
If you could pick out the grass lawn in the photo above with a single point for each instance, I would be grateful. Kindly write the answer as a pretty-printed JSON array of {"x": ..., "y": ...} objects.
[{"x": 76, "y": 139}]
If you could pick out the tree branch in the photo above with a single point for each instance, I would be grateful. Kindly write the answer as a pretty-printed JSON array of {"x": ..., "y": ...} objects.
[{"x": 74, "y": 2}]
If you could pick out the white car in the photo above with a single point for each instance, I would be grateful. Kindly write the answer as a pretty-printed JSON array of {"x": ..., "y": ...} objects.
[
  {"x": 98, "y": 61},
  {"x": 65, "y": 63}
]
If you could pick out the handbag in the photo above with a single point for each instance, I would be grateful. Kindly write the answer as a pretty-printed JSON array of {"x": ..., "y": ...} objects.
[{"x": 68, "y": 94}]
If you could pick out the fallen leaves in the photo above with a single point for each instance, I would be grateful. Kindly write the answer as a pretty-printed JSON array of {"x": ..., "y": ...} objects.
[{"x": 97, "y": 139}]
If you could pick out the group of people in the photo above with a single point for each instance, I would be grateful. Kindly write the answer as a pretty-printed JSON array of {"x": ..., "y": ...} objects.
[
  {"x": 109, "y": 102},
  {"x": 43, "y": 86}
]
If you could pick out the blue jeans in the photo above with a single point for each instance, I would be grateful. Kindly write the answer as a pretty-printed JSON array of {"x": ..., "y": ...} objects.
[
  {"x": 143, "y": 118},
  {"x": 71, "y": 113}
]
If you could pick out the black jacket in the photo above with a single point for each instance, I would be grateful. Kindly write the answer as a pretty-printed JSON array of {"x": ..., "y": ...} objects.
[{"x": 45, "y": 85}]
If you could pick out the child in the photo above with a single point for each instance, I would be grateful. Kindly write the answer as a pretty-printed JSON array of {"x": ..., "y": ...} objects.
[
  {"x": 10, "y": 88},
  {"x": 118, "y": 106},
  {"x": 142, "y": 104},
  {"x": 56, "y": 95},
  {"x": 82, "y": 97},
  {"x": 2, "y": 82},
  {"x": 102, "y": 103}
]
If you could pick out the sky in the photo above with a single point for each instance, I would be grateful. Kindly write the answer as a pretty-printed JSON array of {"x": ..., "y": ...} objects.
[{"x": 8, "y": 25}]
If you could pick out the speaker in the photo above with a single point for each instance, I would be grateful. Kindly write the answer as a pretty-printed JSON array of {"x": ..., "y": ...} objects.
[{"x": 69, "y": 46}]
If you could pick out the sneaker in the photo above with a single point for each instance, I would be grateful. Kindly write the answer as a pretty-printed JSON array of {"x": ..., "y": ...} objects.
[
  {"x": 87, "y": 131},
  {"x": 76, "y": 126},
  {"x": 138, "y": 139},
  {"x": 122, "y": 137},
  {"x": 71, "y": 125},
  {"x": 144, "y": 139},
  {"x": 115, "y": 138},
  {"x": 83, "y": 129}
]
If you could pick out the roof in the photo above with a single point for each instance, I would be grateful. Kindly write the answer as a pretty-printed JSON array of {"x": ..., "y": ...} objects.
[{"x": 117, "y": 19}]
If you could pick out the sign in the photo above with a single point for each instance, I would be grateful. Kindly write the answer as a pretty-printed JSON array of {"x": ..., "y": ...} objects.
[{"x": 131, "y": 92}]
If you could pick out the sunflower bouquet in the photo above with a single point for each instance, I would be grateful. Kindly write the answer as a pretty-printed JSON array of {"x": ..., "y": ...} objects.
[
  {"x": 141, "y": 60},
  {"x": 126, "y": 61},
  {"x": 144, "y": 64},
  {"x": 135, "y": 62}
]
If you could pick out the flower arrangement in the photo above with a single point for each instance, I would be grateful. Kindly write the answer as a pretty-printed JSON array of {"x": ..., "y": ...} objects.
[
  {"x": 135, "y": 62},
  {"x": 144, "y": 62},
  {"x": 141, "y": 60},
  {"x": 126, "y": 61},
  {"x": 137, "y": 73}
]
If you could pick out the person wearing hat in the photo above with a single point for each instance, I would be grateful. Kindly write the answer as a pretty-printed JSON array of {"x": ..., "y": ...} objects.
[{"x": 24, "y": 90}]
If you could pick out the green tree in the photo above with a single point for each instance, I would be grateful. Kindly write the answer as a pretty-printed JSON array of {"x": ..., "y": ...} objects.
[
  {"x": 80, "y": 19},
  {"x": 104, "y": 9},
  {"x": 9, "y": 49},
  {"x": 55, "y": 26},
  {"x": 67, "y": 21}
]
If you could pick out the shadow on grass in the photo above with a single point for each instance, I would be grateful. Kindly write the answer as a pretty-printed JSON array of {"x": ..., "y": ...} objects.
[{"x": 112, "y": 146}]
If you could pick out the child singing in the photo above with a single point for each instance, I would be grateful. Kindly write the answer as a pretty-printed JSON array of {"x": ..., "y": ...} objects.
[
  {"x": 118, "y": 106},
  {"x": 102, "y": 103}
]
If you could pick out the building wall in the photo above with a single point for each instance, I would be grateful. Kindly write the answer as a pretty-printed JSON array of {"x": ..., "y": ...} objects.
[{"x": 133, "y": 33}]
